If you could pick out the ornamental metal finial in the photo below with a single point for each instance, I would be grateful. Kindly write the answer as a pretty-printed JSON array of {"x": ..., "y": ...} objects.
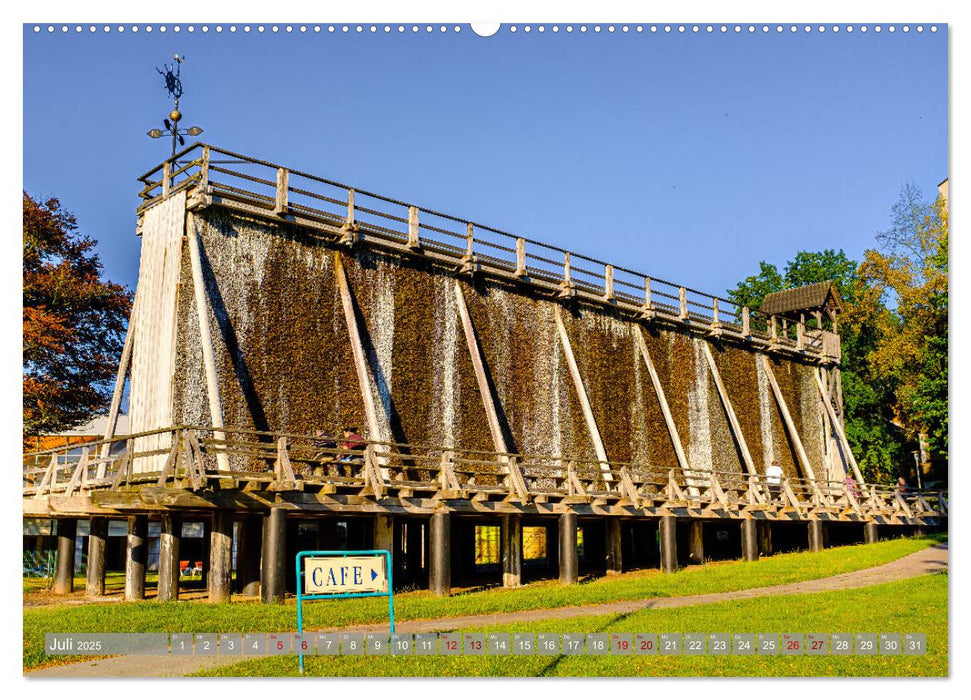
[{"x": 173, "y": 85}]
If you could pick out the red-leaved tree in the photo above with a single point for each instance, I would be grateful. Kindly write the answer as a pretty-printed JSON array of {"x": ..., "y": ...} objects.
[{"x": 74, "y": 322}]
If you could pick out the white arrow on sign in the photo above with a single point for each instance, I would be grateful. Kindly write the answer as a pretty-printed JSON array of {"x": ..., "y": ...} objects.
[{"x": 361, "y": 574}]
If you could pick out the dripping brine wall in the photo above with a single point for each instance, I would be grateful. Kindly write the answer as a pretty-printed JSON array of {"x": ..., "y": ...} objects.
[{"x": 284, "y": 361}]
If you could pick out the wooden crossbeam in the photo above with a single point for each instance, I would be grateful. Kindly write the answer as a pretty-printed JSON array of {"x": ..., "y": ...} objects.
[
  {"x": 838, "y": 429},
  {"x": 787, "y": 417},
  {"x": 730, "y": 412},
  {"x": 581, "y": 390},
  {"x": 360, "y": 361},
  {"x": 205, "y": 336}
]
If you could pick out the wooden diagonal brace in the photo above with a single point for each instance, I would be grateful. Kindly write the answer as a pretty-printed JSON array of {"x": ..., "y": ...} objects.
[
  {"x": 674, "y": 492},
  {"x": 171, "y": 463},
  {"x": 791, "y": 496},
  {"x": 662, "y": 400},
  {"x": 121, "y": 471},
  {"x": 372, "y": 472},
  {"x": 717, "y": 492},
  {"x": 754, "y": 492},
  {"x": 581, "y": 391},
  {"x": 282, "y": 466},
  {"x": 196, "y": 468},
  {"x": 574, "y": 487},
  {"x": 47, "y": 479},
  {"x": 838, "y": 429},
  {"x": 78, "y": 471},
  {"x": 517, "y": 485},
  {"x": 787, "y": 419},
  {"x": 447, "y": 478},
  {"x": 902, "y": 504},
  {"x": 733, "y": 423},
  {"x": 628, "y": 488}
]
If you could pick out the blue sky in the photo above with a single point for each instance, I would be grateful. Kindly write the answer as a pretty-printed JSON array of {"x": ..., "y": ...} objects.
[{"x": 686, "y": 156}]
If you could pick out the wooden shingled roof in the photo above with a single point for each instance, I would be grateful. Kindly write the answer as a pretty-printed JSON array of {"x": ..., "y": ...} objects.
[{"x": 812, "y": 297}]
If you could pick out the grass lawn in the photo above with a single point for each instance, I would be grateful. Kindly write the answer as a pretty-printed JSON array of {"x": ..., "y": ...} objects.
[
  {"x": 152, "y": 616},
  {"x": 913, "y": 605}
]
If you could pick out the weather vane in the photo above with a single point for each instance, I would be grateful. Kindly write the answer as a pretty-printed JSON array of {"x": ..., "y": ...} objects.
[{"x": 173, "y": 85}]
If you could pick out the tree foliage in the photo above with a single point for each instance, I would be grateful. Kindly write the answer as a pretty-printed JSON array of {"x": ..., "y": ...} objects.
[
  {"x": 893, "y": 332},
  {"x": 878, "y": 444},
  {"x": 73, "y": 321},
  {"x": 908, "y": 299}
]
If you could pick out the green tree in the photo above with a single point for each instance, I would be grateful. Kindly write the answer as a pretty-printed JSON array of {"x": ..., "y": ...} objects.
[
  {"x": 73, "y": 321},
  {"x": 878, "y": 443}
]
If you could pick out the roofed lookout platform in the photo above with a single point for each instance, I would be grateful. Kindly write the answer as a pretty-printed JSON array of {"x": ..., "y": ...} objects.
[{"x": 506, "y": 388}]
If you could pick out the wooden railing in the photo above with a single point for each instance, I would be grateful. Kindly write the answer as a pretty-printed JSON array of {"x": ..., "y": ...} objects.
[
  {"x": 287, "y": 462},
  {"x": 278, "y": 192}
]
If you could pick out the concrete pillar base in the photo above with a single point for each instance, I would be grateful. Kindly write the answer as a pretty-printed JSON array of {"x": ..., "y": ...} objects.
[
  {"x": 569, "y": 565},
  {"x": 669, "y": 544},
  {"x": 67, "y": 533},
  {"x": 94, "y": 584},
  {"x": 440, "y": 554},
  {"x": 137, "y": 557}
]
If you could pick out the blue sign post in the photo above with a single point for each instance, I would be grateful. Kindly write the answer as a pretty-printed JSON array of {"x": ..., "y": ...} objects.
[{"x": 328, "y": 575}]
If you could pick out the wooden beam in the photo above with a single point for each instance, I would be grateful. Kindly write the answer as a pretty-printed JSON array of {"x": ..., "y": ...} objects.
[
  {"x": 475, "y": 352},
  {"x": 123, "y": 366},
  {"x": 838, "y": 429},
  {"x": 662, "y": 400},
  {"x": 787, "y": 417},
  {"x": 730, "y": 412},
  {"x": 205, "y": 337},
  {"x": 360, "y": 361},
  {"x": 282, "y": 203},
  {"x": 582, "y": 394}
]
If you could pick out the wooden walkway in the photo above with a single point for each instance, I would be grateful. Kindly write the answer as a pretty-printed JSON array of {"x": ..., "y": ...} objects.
[{"x": 203, "y": 468}]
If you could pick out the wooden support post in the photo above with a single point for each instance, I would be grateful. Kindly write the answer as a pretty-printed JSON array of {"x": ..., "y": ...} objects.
[
  {"x": 730, "y": 412},
  {"x": 800, "y": 333},
  {"x": 746, "y": 322},
  {"x": 816, "y": 535},
  {"x": 166, "y": 179},
  {"x": 204, "y": 170},
  {"x": 669, "y": 544},
  {"x": 581, "y": 390},
  {"x": 512, "y": 550},
  {"x": 67, "y": 533},
  {"x": 521, "y": 258},
  {"x": 282, "y": 205},
  {"x": 349, "y": 220},
  {"x": 608, "y": 282},
  {"x": 478, "y": 365},
  {"x": 750, "y": 540},
  {"x": 838, "y": 429},
  {"x": 169, "y": 546},
  {"x": 765, "y": 538},
  {"x": 137, "y": 557},
  {"x": 662, "y": 400},
  {"x": 414, "y": 238},
  {"x": 790, "y": 424},
  {"x": 615, "y": 552},
  {"x": 273, "y": 570},
  {"x": 248, "y": 555},
  {"x": 647, "y": 310},
  {"x": 440, "y": 553},
  {"x": 773, "y": 330},
  {"x": 221, "y": 557},
  {"x": 375, "y": 428},
  {"x": 384, "y": 533},
  {"x": 696, "y": 541},
  {"x": 205, "y": 335},
  {"x": 569, "y": 565},
  {"x": 871, "y": 532},
  {"x": 682, "y": 303},
  {"x": 94, "y": 582}
]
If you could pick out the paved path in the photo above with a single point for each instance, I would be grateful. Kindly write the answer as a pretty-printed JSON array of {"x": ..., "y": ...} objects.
[{"x": 927, "y": 561}]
